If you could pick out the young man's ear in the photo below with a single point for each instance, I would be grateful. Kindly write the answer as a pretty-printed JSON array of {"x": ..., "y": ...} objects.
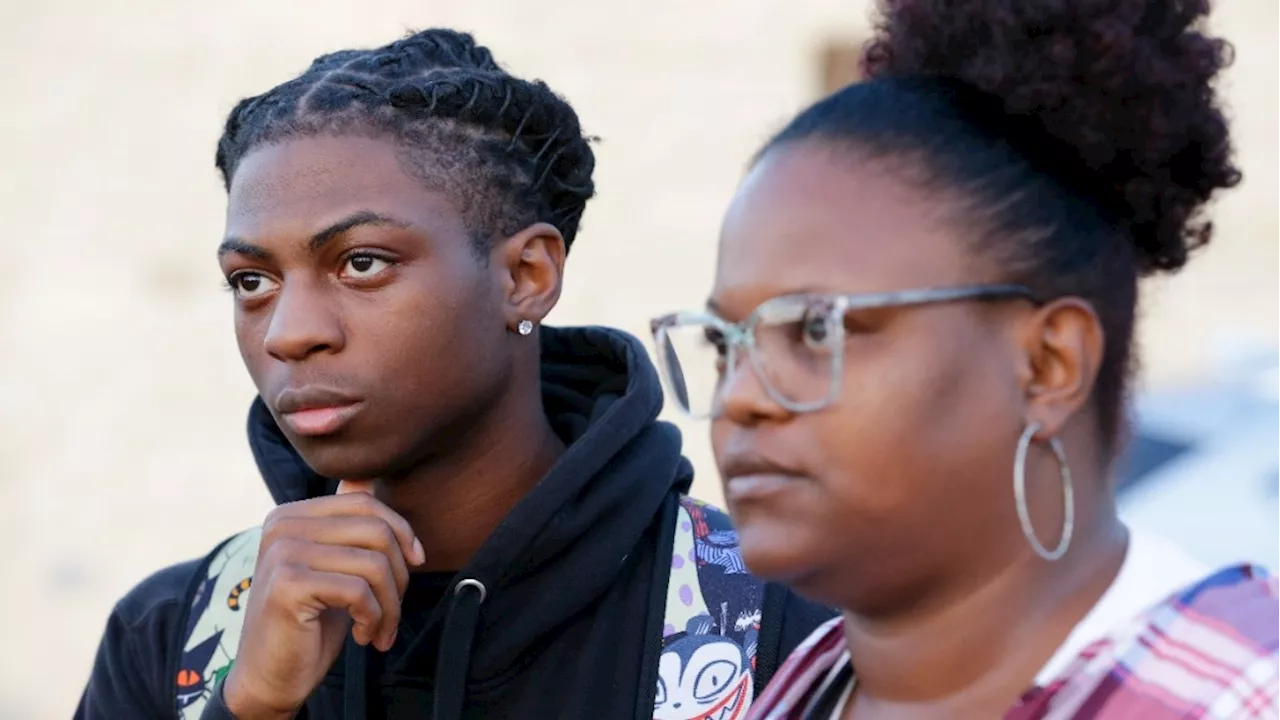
[{"x": 532, "y": 266}]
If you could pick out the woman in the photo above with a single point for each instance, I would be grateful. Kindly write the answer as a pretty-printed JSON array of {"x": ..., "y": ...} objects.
[
  {"x": 916, "y": 354},
  {"x": 397, "y": 225}
]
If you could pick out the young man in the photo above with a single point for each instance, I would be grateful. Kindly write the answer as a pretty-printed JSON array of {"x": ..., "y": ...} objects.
[{"x": 519, "y": 543}]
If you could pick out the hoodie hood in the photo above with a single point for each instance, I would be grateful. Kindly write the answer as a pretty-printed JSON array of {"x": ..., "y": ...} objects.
[{"x": 561, "y": 547}]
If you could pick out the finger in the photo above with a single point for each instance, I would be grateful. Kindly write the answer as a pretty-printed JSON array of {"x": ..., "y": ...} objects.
[
  {"x": 354, "y": 532},
  {"x": 297, "y": 587},
  {"x": 355, "y": 503},
  {"x": 350, "y": 486},
  {"x": 371, "y": 566}
]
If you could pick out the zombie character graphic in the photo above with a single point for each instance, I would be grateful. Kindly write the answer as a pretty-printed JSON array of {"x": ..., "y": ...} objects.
[
  {"x": 192, "y": 684},
  {"x": 702, "y": 676},
  {"x": 715, "y": 540},
  {"x": 731, "y": 596},
  {"x": 214, "y": 624}
]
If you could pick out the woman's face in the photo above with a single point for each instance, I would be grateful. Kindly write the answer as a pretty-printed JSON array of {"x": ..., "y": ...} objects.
[{"x": 905, "y": 480}]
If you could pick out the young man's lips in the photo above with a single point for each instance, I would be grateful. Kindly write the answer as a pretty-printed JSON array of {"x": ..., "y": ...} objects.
[{"x": 320, "y": 420}]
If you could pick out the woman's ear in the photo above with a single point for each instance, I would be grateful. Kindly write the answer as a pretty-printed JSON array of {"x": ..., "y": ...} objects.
[{"x": 1063, "y": 344}]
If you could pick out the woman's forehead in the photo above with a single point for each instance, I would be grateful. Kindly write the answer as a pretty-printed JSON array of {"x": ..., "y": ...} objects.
[{"x": 809, "y": 219}]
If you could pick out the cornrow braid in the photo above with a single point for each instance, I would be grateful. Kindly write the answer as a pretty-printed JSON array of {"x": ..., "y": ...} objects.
[{"x": 509, "y": 151}]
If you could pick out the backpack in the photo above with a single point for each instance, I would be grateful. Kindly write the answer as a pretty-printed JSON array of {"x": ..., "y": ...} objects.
[{"x": 711, "y": 600}]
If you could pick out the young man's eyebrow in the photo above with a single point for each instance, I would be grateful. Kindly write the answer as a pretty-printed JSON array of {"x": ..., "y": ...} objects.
[
  {"x": 318, "y": 240},
  {"x": 357, "y": 219}
]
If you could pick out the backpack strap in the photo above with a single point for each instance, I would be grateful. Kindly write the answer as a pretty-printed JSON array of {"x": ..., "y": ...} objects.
[
  {"x": 214, "y": 618},
  {"x": 713, "y": 614},
  {"x": 771, "y": 617}
]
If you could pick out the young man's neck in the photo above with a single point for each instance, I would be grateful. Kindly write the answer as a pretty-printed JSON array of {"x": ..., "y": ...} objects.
[
  {"x": 979, "y": 652},
  {"x": 455, "y": 500}
]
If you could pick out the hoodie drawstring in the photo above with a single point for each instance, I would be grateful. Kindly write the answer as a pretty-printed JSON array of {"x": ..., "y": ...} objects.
[
  {"x": 455, "y": 648},
  {"x": 355, "y": 681},
  {"x": 454, "y": 659}
]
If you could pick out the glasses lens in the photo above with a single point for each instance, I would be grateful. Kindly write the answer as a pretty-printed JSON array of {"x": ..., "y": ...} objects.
[
  {"x": 691, "y": 356},
  {"x": 797, "y": 352}
]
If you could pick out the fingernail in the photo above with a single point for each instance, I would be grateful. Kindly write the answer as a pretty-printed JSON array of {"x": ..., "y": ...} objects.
[
  {"x": 355, "y": 486},
  {"x": 418, "y": 552}
]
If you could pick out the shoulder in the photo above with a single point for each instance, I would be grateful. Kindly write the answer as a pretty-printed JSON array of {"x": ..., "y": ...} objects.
[
  {"x": 168, "y": 589},
  {"x": 159, "y": 596},
  {"x": 146, "y": 622},
  {"x": 131, "y": 676},
  {"x": 824, "y": 643},
  {"x": 1225, "y": 632},
  {"x": 1241, "y": 602},
  {"x": 145, "y": 651},
  {"x": 1211, "y": 646},
  {"x": 1253, "y": 691},
  {"x": 168, "y": 593},
  {"x": 1230, "y": 618},
  {"x": 166, "y": 596},
  {"x": 803, "y": 672},
  {"x": 214, "y": 616}
]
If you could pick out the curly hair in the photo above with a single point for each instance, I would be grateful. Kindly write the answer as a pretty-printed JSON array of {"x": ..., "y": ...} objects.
[
  {"x": 1082, "y": 138},
  {"x": 510, "y": 152}
]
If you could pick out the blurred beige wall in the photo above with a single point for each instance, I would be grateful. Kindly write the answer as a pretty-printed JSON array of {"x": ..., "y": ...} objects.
[{"x": 122, "y": 396}]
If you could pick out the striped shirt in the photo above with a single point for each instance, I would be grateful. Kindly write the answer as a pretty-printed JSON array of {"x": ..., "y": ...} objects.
[{"x": 1208, "y": 652}]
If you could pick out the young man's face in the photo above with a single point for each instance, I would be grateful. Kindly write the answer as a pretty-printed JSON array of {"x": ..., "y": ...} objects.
[{"x": 370, "y": 328}]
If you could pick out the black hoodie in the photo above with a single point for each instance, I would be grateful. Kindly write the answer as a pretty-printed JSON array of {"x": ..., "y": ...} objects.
[{"x": 570, "y": 623}]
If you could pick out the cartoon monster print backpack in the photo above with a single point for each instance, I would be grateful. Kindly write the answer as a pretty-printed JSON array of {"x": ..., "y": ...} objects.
[{"x": 707, "y": 669}]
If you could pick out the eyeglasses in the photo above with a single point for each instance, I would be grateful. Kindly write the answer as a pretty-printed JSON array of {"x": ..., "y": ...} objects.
[{"x": 795, "y": 344}]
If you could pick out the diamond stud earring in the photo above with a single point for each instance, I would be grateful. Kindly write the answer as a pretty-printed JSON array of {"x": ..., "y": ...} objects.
[{"x": 524, "y": 327}]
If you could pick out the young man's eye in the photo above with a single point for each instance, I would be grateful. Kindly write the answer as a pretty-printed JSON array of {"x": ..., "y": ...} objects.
[
  {"x": 248, "y": 285},
  {"x": 364, "y": 266}
]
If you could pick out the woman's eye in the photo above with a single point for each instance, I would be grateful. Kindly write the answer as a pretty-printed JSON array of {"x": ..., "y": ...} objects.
[
  {"x": 716, "y": 339},
  {"x": 816, "y": 331},
  {"x": 248, "y": 285},
  {"x": 364, "y": 266}
]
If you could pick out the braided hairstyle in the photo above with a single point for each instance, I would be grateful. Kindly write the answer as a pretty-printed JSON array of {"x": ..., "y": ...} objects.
[
  {"x": 1080, "y": 138},
  {"x": 509, "y": 151}
]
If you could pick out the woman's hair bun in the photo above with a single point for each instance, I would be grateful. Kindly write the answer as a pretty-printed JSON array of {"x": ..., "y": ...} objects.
[{"x": 1127, "y": 85}]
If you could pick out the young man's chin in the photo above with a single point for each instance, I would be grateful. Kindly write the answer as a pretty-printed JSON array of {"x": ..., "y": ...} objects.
[{"x": 341, "y": 458}]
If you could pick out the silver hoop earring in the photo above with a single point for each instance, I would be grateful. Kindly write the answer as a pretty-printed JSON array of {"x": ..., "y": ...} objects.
[
  {"x": 1020, "y": 495},
  {"x": 524, "y": 327}
]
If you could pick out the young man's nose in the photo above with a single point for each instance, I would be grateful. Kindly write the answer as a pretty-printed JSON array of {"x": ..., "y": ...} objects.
[{"x": 302, "y": 324}]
